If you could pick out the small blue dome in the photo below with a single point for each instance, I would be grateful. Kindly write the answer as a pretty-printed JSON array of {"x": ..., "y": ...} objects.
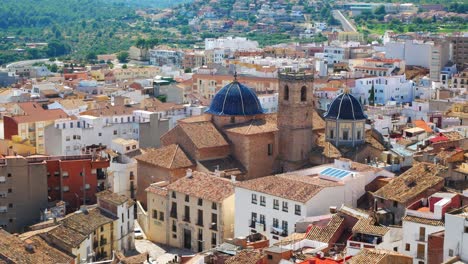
[
  {"x": 235, "y": 99},
  {"x": 345, "y": 107}
]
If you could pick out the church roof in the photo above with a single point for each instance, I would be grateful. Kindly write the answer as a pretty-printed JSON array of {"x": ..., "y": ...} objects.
[
  {"x": 235, "y": 99},
  {"x": 345, "y": 107}
]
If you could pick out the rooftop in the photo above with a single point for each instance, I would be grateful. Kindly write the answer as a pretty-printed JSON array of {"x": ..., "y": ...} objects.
[
  {"x": 246, "y": 257},
  {"x": 113, "y": 198},
  {"x": 255, "y": 126},
  {"x": 378, "y": 256},
  {"x": 419, "y": 178},
  {"x": 368, "y": 226},
  {"x": 203, "y": 134},
  {"x": 289, "y": 186},
  {"x": 169, "y": 157},
  {"x": 424, "y": 221},
  {"x": 325, "y": 234},
  {"x": 15, "y": 250},
  {"x": 203, "y": 185}
]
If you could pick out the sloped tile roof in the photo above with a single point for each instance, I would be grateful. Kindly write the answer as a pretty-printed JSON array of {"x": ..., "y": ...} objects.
[
  {"x": 246, "y": 257},
  {"x": 325, "y": 234},
  {"x": 256, "y": 126},
  {"x": 288, "y": 186},
  {"x": 367, "y": 226},
  {"x": 203, "y": 134},
  {"x": 411, "y": 183},
  {"x": 376, "y": 256},
  {"x": 205, "y": 186},
  {"x": 424, "y": 221},
  {"x": 169, "y": 157}
]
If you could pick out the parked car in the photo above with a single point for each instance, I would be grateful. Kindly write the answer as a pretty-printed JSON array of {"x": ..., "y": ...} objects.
[{"x": 138, "y": 233}]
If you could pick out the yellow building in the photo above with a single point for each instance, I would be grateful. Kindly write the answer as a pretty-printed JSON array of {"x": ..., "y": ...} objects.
[
  {"x": 29, "y": 121},
  {"x": 195, "y": 212},
  {"x": 97, "y": 75}
]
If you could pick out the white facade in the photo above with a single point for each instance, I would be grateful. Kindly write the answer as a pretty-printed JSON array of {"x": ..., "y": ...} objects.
[
  {"x": 389, "y": 88},
  {"x": 125, "y": 225},
  {"x": 415, "y": 235},
  {"x": 261, "y": 216},
  {"x": 335, "y": 54},
  {"x": 269, "y": 102},
  {"x": 245, "y": 221},
  {"x": 230, "y": 43},
  {"x": 456, "y": 235}
]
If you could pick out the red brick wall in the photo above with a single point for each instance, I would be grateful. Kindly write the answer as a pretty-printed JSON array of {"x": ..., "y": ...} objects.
[
  {"x": 10, "y": 127},
  {"x": 435, "y": 252}
]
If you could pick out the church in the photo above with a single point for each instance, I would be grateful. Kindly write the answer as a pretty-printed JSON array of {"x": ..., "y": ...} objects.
[{"x": 234, "y": 138}]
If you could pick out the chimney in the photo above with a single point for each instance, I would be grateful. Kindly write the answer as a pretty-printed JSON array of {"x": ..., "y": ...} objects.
[
  {"x": 233, "y": 178},
  {"x": 188, "y": 173},
  {"x": 29, "y": 246}
]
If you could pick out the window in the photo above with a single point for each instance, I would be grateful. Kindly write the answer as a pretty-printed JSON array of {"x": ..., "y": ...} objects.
[
  {"x": 66, "y": 188},
  {"x": 200, "y": 217},
  {"x": 173, "y": 195},
  {"x": 174, "y": 210},
  {"x": 254, "y": 217},
  {"x": 466, "y": 229},
  {"x": 285, "y": 206},
  {"x": 155, "y": 214},
  {"x": 233, "y": 119},
  {"x": 2, "y": 179},
  {"x": 395, "y": 204},
  {"x": 115, "y": 132},
  {"x": 284, "y": 226},
  {"x": 213, "y": 239},
  {"x": 65, "y": 174},
  {"x": 214, "y": 206},
  {"x": 187, "y": 214},
  {"x": 10, "y": 205},
  {"x": 187, "y": 198},
  {"x": 10, "y": 190},
  {"x": 297, "y": 209},
  {"x": 407, "y": 247},
  {"x": 275, "y": 222},
  {"x": 359, "y": 135},
  {"x": 9, "y": 175},
  {"x": 100, "y": 134},
  {"x": 332, "y": 134},
  {"x": 262, "y": 219},
  {"x": 214, "y": 221},
  {"x": 275, "y": 204},
  {"x": 450, "y": 253},
  {"x": 270, "y": 256},
  {"x": 286, "y": 93},
  {"x": 71, "y": 125},
  {"x": 174, "y": 226},
  {"x": 345, "y": 135},
  {"x": 200, "y": 202},
  {"x": 270, "y": 149},
  {"x": 161, "y": 216},
  {"x": 303, "y": 94},
  {"x": 254, "y": 198},
  {"x": 67, "y": 138},
  {"x": 262, "y": 200}
]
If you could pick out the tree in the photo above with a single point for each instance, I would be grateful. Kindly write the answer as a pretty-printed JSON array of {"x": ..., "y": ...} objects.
[
  {"x": 53, "y": 67},
  {"x": 124, "y": 66},
  {"x": 372, "y": 96},
  {"x": 91, "y": 56},
  {"x": 380, "y": 10},
  {"x": 122, "y": 56}
]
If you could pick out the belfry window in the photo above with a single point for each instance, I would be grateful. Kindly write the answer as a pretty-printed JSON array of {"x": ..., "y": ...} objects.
[
  {"x": 286, "y": 93},
  {"x": 303, "y": 94}
]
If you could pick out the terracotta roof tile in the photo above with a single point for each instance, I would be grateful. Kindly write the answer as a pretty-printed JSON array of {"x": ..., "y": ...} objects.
[
  {"x": 110, "y": 110},
  {"x": 202, "y": 185},
  {"x": 169, "y": 157},
  {"x": 256, "y": 126},
  {"x": 203, "y": 134},
  {"x": 325, "y": 234},
  {"x": 67, "y": 235},
  {"x": 377, "y": 256},
  {"x": 86, "y": 222},
  {"x": 288, "y": 186},
  {"x": 113, "y": 198},
  {"x": 411, "y": 183},
  {"x": 13, "y": 250},
  {"x": 424, "y": 221},
  {"x": 34, "y": 113},
  {"x": 367, "y": 226},
  {"x": 246, "y": 257}
]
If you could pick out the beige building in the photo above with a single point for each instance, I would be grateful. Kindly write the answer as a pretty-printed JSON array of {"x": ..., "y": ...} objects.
[
  {"x": 23, "y": 192},
  {"x": 460, "y": 81},
  {"x": 196, "y": 212}
]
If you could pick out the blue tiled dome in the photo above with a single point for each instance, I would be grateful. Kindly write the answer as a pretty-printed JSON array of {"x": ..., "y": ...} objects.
[
  {"x": 235, "y": 99},
  {"x": 345, "y": 107}
]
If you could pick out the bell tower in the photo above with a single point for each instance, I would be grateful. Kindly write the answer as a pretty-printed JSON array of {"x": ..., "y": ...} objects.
[{"x": 295, "y": 106}]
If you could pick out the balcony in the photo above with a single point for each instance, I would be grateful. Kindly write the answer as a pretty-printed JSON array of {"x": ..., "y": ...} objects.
[
  {"x": 279, "y": 232},
  {"x": 214, "y": 226},
  {"x": 199, "y": 223},
  {"x": 173, "y": 214},
  {"x": 103, "y": 242}
]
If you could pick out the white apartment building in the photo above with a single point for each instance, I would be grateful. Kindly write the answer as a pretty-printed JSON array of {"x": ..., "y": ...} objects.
[
  {"x": 430, "y": 55},
  {"x": 422, "y": 219},
  {"x": 333, "y": 54},
  {"x": 272, "y": 205},
  {"x": 122, "y": 171},
  {"x": 231, "y": 43},
  {"x": 269, "y": 102},
  {"x": 388, "y": 88},
  {"x": 456, "y": 234},
  {"x": 162, "y": 57},
  {"x": 122, "y": 210}
]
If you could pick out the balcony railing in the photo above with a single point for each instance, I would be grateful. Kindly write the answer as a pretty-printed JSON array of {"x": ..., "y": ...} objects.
[
  {"x": 214, "y": 226},
  {"x": 200, "y": 223},
  {"x": 186, "y": 219}
]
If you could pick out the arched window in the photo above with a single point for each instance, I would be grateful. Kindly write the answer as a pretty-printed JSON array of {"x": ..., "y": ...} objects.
[
  {"x": 286, "y": 93},
  {"x": 303, "y": 94}
]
